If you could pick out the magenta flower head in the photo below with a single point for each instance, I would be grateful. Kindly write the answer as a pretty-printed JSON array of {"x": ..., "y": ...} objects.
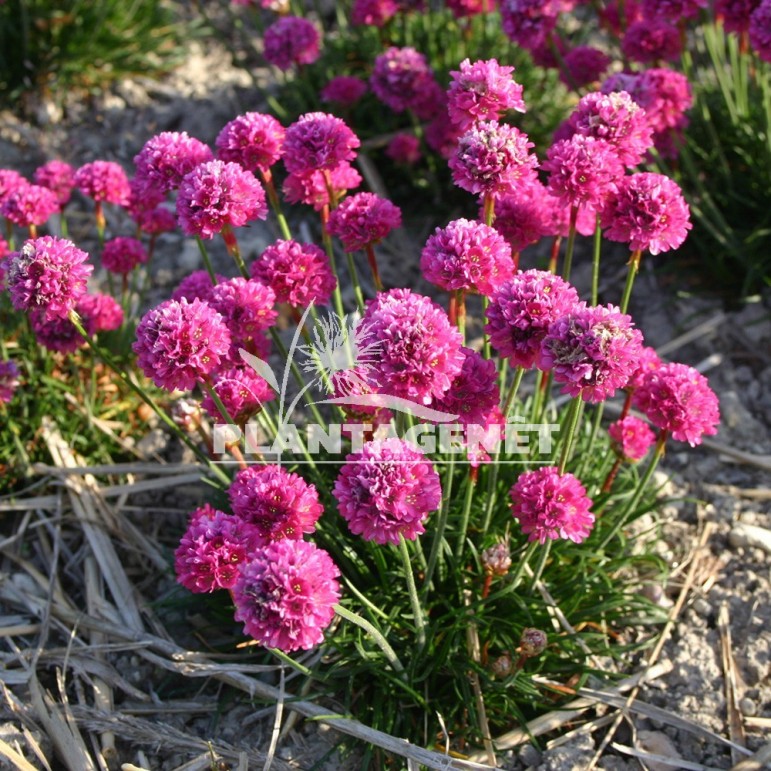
[
  {"x": 318, "y": 141},
  {"x": 155, "y": 221},
  {"x": 523, "y": 216},
  {"x": 254, "y": 140},
  {"x": 9, "y": 380},
  {"x": 278, "y": 503},
  {"x": 647, "y": 362},
  {"x": 181, "y": 343},
  {"x": 10, "y": 182},
  {"x": 310, "y": 187},
  {"x": 550, "y": 506},
  {"x": 100, "y": 312},
  {"x": 419, "y": 351},
  {"x": 374, "y": 13},
  {"x": 648, "y": 212},
  {"x": 291, "y": 40},
  {"x": 522, "y": 310},
  {"x": 166, "y": 158},
  {"x": 362, "y": 220},
  {"x": 631, "y": 438},
  {"x": 103, "y": 181},
  {"x": 48, "y": 274},
  {"x": 492, "y": 159},
  {"x": 299, "y": 274},
  {"x": 123, "y": 254},
  {"x": 617, "y": 119},
  {"x": 442, "y": 135},
  {"x": 474, "y": 394},
  {"x": 651, "y": 40},
  {"x": 463, "y": 8},
  {"x": 528, "y": 22},
  {"x": 583, "y": 170},
  {"x": 672, "y": 11},
  {"x": 482, "y": 91},
  {"x": 677, "y": 398},
  {"x": 212, "y": 550},
  {"x": 246, "y": 306},
  {"x": 467, "y": 255},
  {"x": 344, "y": 90},
  {"x": 387, "y": 490},
  {"x": 30, "y": 205},
  {"x": 735, "y": 14},
  {"x": 593, "y": 350},
  {"x": 216, "y": 195},
  {"x": 242, "y": 392},
  {"x": 404, "y": 148},
  {"x": 402, "y": 79},
  {"x": 57, "y": 334},
  {"x": 760, "y": 30},
  {"x": 584, "y": 65},
  {"x": 58, "y": 177},
  {"x": 559, "y": 216},
  {"x": 197, "y": 285},
  {"x": 286, "y": 594}
]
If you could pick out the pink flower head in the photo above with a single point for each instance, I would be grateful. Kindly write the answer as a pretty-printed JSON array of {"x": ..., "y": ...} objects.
[
  {"x": 286, "y": 594},
  {"x": 291, "y": 40},
  {"x": 197, "y": 285},
  {"x": 672, "y": 11},
  {"x": 166, "y": 158},
  {"x": 631, "y": 438},
  {"x": 523, "y": 216},
  {"x": 558, "y": 215},
  {"x": 677, "y": 398},
  {"x": 617, "y": 119},
  {"x": 442, "y": 135},
  {"x": 246, "y": 306},
  {"x": 299, "y": 274},
  {"x": 404, "y": 148},
  {"x": 123, "y": 254},
  {"x": 419, "y": 351},
  {"x": 103, "y": 181},
  {"x": 9, "y": 380},
  {"x": 351, "y": 384},
  {"x": 30, "y": 205},
  {"x": 584, "y": 65},
  {"x": 482, "y": 91},
  {"x": 278, "y": 503},
  {"x": 648, "y": 212},
  {"x": 647, "y": 361},
  {"x": 345, "y": 90},
  {"x": 155, "y": 221},
  {"x": 492, "y": 159},
  {"x": 528, "y": 22},
  {"x": 254, "y": 140},
  {"x": 550, "y": 506},
  {"x": 474, "y": 393},
  {"x": 463, "y": 8},
  {"x": 318, "y": 141},
  {"x": 760, "y": 30},
  {"x": 593, "y": 350},
  {"x": 58, "y": 177},
  {"x": 212, "y": 550},
  {"x": 522, "y": 310},
  {"x": 181, "y": 343},
  {"x": 735, "y": 14},
  {"x": 10, "y": 182},
  {"x": 583, "y": 170},
  {"x": 651, "y": 40},
  {"x": 47, "y": 274},
  {"x": 387, "y": 490},
  {"x": 467, "y": 255},
  {"x": 310, "y": 188},
  {"x": 216, "y": 195},
  {"x": 57, "y": 334},
  {"x": 374, "y": 13},
  {"x": 100, "y": 312},
  {"x": 402, "y": 79},
  {"x": 617, "y": 15},
  {"x": 362, "y": 220},
  {"x": 242, "y": 391}
]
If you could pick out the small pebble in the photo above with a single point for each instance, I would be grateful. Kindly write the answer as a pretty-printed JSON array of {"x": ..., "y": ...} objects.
[
  {"x": 529, "y": 755},
  {"x": 748, "y": 707},
  {"x": 702, "y": 607}
]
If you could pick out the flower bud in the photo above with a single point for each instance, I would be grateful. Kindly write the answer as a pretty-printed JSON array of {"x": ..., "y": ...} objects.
[
  {"x": 532, "y": 643},
  {"x": 496, "y": 560}
]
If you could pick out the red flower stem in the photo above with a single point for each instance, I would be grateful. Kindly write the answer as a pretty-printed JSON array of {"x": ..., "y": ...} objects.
[
  {"x": 355, "y": 281},
  {"x": 33, "y": 230},
  {"x": 555, "y": 253},
  {"x": 229, "y": 237},
  {"x": 452, "y": 311},
  {"x": 369, "y": 249},
  {"x": 608, "y": 483},
  {"x": 489, "y": 210},
  {"x": 627, "y": 405},
  {"x": 101, "y": 223},
  {"x": 462, "y": 312},
  {"x": 596, "y": 261},
  {"x": 571, "y": 244},
  {"x": 486, "y": 586},
  {"x": 515, "y": 260},
  {"x": 634, "y": 266},
  {"x": 337, "y": 298}
]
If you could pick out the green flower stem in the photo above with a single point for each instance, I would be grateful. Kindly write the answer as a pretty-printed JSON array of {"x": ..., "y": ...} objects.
[
  {"x": 485, "y": 338},
  {"x": 417, "y": 610},
  {"x": 355, "y": 281},
  {"x": 231, "y": 242},
  {"x": 571, "y": 244},
  {"x": 542, "y": 557},
  {"x": 275, "y": 204},
  {"x": 465, "y": 517},
  {"x": 572, "y": 420},
  {"x": 209, "y": 388},
  {"x": 517, "y": 575},
  {"x": 596, "y": 422},
  {"x": 337, "y": 297},
  {"x": 206, "y": 260},
  {"x": 371, "y": 630},
  {"x": 596, "y": 261},
  {"x": 518, "y": 374},
  {"x": 634, "y": 266},
  {"x": 441, "y": 522},
  {"x": 144, "y": 396},
  {"x": 658, "y": 453}
]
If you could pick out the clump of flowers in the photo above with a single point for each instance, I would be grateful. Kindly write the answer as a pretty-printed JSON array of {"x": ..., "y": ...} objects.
[
  {"x": 290, "y": 41},
  {"x": 632, "y": 437},
  {"x": 122, "y": 254},
  {"x": 30, "y": 206},
  {"x": 651, "y": 40},
  {"x": 166, "y": 158},
  {"x": 404, "y": 148},
  {"x": 344, "y": 90},
  {"x": 387, "y": 491},
  {"x": 403, "y": 80},
  {"x": 57, "y": 176},
  {"x": 550, "y": 505},
  {"x": 254, "y": 140},
  {"x": 318, "y": 141},
  {"x": 362, "y": 220},
  {"x": 528, "y": 22},
  {"x": 584, "y": 65}
]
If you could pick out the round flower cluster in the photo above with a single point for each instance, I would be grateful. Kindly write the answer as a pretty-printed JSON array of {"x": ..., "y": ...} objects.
[
  {"x": 123, "y": 254},
  {"x": 310, "y": 187},
  {"x": 760, "y": 30},
  {"x": 298, "y": 274},
  {"x": 215, "y": 195},
  {"x": 463, "y": 8},
  {"x": 550, "y": 506},
  {"x": 30, "y": 205},
  {"x": 57, "y": 176},
  {"x": 242, "y": 393},
  {"x": 387, "y": 491},
  {"x": 631, "y": 437},
  {"x": 653, "y": 40},
  {"x": 482, "y": 91},
  {"x": 165, "y": 159},
  {"x": 59, "y": 335},
  {"x": 403, "y": 80},
  {"x": 254, "y": 140},
  {"x": 363, "y": 220},
  {"x": 181, "y": 343},
  {"x": 419, "y": 351},
  {"x": 467, "y": 255},
  {"x": 291, "y": 40},
  {"x": 672, "y": 11},
  {"x": 523, "y": 216},
  {"x": 404, "y": 148},
  {"x": 198, "y": 285},
  {"x": 155, "y": 221},
  {"x": 528, "y": 22},
  {"x": 735, "y": 14},
  {"x": 375, "y": 13},
  {"x": 318, "y": 141},
  {"x": 99, "y": 312},
  {"x": 647, "y": 361},
  {"x": 593, "y": 350},
  {"x": 345, "y": 90},
  {"x": 10, "y": 182},
  {"x": 583, "y": 65},
  {"x": 103, "y": 181}
]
